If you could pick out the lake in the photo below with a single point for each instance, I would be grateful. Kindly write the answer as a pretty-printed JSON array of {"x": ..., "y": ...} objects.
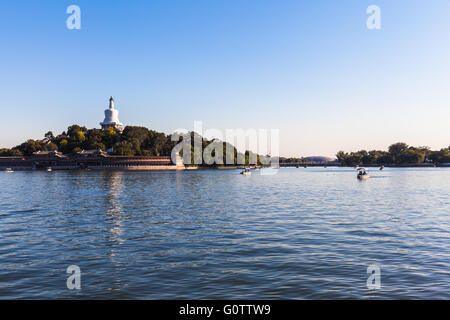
[{"x": 303, "y": 233}]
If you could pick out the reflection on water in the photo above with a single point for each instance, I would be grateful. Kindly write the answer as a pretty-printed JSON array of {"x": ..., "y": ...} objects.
[
  {"x": 113, "y": 182},
  {"x": 303, "y": 233}
]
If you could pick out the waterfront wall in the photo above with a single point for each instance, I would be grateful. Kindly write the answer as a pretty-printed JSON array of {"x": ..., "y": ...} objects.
[{"x": 89, "y": 162}]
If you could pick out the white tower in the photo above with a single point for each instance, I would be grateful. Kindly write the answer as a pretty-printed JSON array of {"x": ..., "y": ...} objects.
[{"x": 111, "y": 117}]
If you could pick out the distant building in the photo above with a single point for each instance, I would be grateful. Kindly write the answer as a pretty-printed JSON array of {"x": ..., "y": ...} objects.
[
  {"x": 44, "y": 154},
  {"x": 111, "y": 118},
  {"x": 92, "y": 153}
]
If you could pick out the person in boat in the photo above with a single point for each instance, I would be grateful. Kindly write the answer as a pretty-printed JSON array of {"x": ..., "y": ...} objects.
[{"x": 362, "y": 173}]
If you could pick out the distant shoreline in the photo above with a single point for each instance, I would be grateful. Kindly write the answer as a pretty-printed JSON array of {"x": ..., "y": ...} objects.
[
  {"x": 176, "y": 168},
  {"x": 410, "y": 165}
]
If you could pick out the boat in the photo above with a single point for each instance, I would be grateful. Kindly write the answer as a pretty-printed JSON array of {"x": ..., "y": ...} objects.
[
  {"x": 382, "y": 167},
  {"x": 49, "y": 169},
  {"x": 9, "y": 170},
  {"x": 246, "y": 172},
  {"x": 362, "y": 174}
]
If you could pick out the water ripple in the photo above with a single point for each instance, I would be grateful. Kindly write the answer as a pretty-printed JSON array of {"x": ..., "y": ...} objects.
[{"x": 300, "y": 234}]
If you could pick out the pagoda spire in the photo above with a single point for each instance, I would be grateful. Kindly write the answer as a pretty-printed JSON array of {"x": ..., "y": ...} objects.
[{"x": 111, "y": 103}]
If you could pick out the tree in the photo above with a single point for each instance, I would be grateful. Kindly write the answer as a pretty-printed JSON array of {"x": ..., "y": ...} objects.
[
  {"x": 139, "y": 133},
  {"x": 5, "y": 152},
  {"x": 79, "y": 137},
  {"x": 94, "y": 140},
  {"x": 75, "y": 128},
  {"x": 410, "y": 157},
  {"x": 110, "y": 137},
  {"x": 64, "y": 146},
  {"x": 385, "y": 158},
  {"x": 341, "y": 157},
  {"x": 49, "y": 135},
  {"x": 441, "y": 156},
  {"x": 27, "y": 148},
  {"x": 396, "y": 149},
  {"x": 124, "y": 148},
  {"x": 132, "y": 141}
]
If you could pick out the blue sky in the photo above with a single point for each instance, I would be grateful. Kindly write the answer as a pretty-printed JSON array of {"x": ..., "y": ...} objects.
[{"x": 309, "y": 68}]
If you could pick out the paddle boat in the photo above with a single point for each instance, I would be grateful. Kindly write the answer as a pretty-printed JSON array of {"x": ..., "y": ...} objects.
[{"x": 362, "y": 174}]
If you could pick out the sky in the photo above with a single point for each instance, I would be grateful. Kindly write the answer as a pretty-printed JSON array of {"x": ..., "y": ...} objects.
[{"x": 311, "y": 69}]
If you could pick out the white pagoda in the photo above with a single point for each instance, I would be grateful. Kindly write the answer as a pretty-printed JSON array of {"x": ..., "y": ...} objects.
[{"x": 111, "y": 117}]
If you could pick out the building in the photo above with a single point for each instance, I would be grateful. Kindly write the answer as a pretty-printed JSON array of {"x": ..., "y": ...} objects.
[
  {"x": 89, "y": 159},
  {"x": 46, "y": 154},
  {"x": 111, "y": 118},
  {"x": 92, "y": 153}
]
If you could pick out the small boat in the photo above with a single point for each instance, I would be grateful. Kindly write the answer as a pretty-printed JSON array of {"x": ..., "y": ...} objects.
[
  {"x": 362, "y": 174},
  {"x": 382, "y": 167},
  {"x": 246, "y": 172},
  {"x": 49, "y": 169},
  {"x": 9, "y": 170}
]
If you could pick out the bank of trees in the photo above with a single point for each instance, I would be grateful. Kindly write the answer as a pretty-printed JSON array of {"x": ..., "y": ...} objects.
[
  {"x": 133, "y": 141},
  {"x": 398, "y": 153},
  {"x": 293, "y": 160}
]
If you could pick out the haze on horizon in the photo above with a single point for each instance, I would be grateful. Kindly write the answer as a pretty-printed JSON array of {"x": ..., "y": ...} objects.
[{"x": 312, "y": 70}]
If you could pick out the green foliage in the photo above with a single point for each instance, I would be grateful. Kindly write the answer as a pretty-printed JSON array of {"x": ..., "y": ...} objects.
[
  {"x": 4, "y": 152},
  {"x": 27, "y": 148},
  {"x": 124, "y": 148},
  {"x": 73, "y": 129},
  {"x": 292, "y": 160},
  {"x": 49, "y": 135},
  {"x": 133, "y": 141},
  {"x": 398, "y": 153},
  {"x": 441, "y": 156},
  {"x": 76, "y": 150},
  {"x": 139, "y": 133},
  {"x": 79, "y": 137},
  {"x": 396, "y": 149}
]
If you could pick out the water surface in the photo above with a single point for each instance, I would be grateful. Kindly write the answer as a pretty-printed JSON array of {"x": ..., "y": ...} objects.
[{"x": 299, "y": 234}]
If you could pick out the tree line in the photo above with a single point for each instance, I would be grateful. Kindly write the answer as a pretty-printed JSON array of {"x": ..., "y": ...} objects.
[
  {"x": 133, "y": 141},
  {"x": 398, "y": 153}
]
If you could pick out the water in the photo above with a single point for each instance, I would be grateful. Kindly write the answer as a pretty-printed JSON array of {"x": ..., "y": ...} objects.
[{"x": 302, "y": 233}]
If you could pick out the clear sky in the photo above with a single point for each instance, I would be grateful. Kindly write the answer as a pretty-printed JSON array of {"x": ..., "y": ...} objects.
[{"x": 309, "y": 68}]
